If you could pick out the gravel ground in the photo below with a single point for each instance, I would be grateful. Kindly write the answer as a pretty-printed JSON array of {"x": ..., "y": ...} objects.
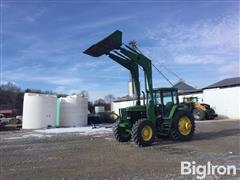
[{"x": 74, "y": 156}]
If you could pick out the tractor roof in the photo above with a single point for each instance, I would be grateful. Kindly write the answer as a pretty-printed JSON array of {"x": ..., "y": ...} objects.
[{"x": 165, "y": 89}]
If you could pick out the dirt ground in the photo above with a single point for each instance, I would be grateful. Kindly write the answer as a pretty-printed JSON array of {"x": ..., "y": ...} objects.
[{"x": 73, "y": 156}]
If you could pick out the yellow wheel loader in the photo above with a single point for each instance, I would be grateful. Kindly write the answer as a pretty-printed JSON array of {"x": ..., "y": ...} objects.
[{"x": 200, "y": 111}]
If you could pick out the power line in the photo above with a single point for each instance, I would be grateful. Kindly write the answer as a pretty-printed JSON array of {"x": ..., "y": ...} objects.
[
  {"x": 162, "y": 74},
  {"x": 155, "y": 66},
  {"x": 170, "y": 71}
]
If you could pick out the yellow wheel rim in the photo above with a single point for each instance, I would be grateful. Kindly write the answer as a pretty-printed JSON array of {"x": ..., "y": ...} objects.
[
  {"x": 184, "y": 125},
  {"x": 146, "y": 133}
]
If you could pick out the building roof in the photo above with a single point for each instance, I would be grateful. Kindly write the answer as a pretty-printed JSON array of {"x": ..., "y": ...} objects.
[
  {"x": 230, "y": 82},
  {"x": 195, "y": 91},
  {"x": 125, "y": 98},
  {"x": 182, "y": 86}
]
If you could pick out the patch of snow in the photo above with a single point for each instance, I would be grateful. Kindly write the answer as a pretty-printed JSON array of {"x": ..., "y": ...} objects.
[
  {"x": 88, "y": 130},
  {"x": 99, "y": 135},
  {"x": 109, "y": 139},
  {"x": 98, "y": 130},
  {"x": 29, "y": 136}
]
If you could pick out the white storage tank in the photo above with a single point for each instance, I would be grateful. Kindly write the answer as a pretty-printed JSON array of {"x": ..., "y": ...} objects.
[
  {"x": 130, "y": 88},
  {"x": 39, "y": 111},
  {"x": 99, "y": 109},
  {"x": 74, "y": 111}
]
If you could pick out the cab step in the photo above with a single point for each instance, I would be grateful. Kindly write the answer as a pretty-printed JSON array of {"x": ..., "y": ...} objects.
[{"x": 165, "y": 127}]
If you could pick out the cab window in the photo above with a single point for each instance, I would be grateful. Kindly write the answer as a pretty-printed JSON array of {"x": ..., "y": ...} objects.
[
  {"x": 157, "y": 98},
  {"x": 174, "y": 97},
  {"x": 194, "y": 100},
  {"x": 167, "y": 97},
  {"x": 149, "y": 97}
]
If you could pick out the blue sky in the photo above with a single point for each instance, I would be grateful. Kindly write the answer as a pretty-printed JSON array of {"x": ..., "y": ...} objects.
[{"x": 43, "y": 41}]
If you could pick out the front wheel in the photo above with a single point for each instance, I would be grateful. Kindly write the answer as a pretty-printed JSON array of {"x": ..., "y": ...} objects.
[
  {"x": 199, "y": 114},
  {"x": 210, "y": 114},
  {"x": 120, "y": 134},
  {"x": 143, "y": 132},
  {"x": 183, "y": 126}
]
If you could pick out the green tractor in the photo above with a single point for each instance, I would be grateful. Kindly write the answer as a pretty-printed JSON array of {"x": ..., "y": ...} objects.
[{"x": 161, "y": 114}]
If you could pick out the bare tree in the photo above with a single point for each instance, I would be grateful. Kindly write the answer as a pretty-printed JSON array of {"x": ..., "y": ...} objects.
[
  {"x": 84, "y": 93},
  {"x": 99, "y": 102},
  {"x": 109, "y": 98}
]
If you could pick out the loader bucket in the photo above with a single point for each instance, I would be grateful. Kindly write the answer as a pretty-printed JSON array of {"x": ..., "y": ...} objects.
[{"x": 111, "y": 42}]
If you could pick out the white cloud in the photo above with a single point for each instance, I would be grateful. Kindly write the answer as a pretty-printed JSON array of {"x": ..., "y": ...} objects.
[
  {"x": 196, "y": 59},
  {"x": 222, "y": 33},
  {"x": 35, "y": 16},
  {"x": 39, "y": 74},
  {"x": 229, "y": 70},
  {"x": 56, "y": 79},
  {"x": 99, "y": 23},
  {"x": 12, "y": 82},
  {"x": 213, "y": 43}
]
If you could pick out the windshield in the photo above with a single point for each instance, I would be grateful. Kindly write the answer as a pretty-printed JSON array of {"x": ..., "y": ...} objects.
[
  {"x": 156, "y": 97},
  {"x": 167, "y": 97}
]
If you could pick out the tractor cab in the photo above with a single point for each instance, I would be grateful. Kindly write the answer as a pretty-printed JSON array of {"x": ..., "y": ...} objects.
[{"x": 164, "y": 100}]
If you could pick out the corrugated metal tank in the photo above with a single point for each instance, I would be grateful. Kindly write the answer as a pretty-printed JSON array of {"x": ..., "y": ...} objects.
[
  {"x": 99, "y": 109},
  {"x": 39, "y": 111},
  {"x": 73, "y": 111}
]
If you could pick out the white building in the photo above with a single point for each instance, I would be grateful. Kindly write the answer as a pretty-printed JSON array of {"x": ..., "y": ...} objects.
[
  {"x": 122, "y": 103},
  {"x": 224, "y": 97}
]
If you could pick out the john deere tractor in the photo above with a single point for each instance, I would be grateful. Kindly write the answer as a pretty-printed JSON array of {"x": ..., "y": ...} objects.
[{"x": 160, "y": 114}]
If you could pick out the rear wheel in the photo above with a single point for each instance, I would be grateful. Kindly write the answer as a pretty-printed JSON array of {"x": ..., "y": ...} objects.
[
  {"x": 199, "y": 114},
  {"x": 120, "y": 134},
  {"x": 183, "y": 126},
  {"x": 143, "y": 132}
]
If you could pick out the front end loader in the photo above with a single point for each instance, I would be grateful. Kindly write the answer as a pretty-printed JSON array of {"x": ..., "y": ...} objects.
[{"x": 161, "y": 114}]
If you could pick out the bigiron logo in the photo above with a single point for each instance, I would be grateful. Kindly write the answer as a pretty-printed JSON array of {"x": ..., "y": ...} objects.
[{"x": 201, "y": 171}]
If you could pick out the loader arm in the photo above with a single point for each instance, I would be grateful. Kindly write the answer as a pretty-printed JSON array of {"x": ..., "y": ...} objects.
[
  {"x": 146, "y": 64},
  {"x": 133, "y": 68}
]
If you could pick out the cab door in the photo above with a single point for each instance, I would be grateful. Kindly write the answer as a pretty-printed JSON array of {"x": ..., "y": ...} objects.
[
  {"x": 169, "y": 99},
  {"x": 158, "y": 105}
]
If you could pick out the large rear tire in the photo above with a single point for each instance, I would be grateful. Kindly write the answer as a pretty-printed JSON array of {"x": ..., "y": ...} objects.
[
  {"x": 120, "y": 134},
  {"x": 183, "y": 126},
  {"x": 199, "y": 114},
  {"x": 143, "y": 132}
]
